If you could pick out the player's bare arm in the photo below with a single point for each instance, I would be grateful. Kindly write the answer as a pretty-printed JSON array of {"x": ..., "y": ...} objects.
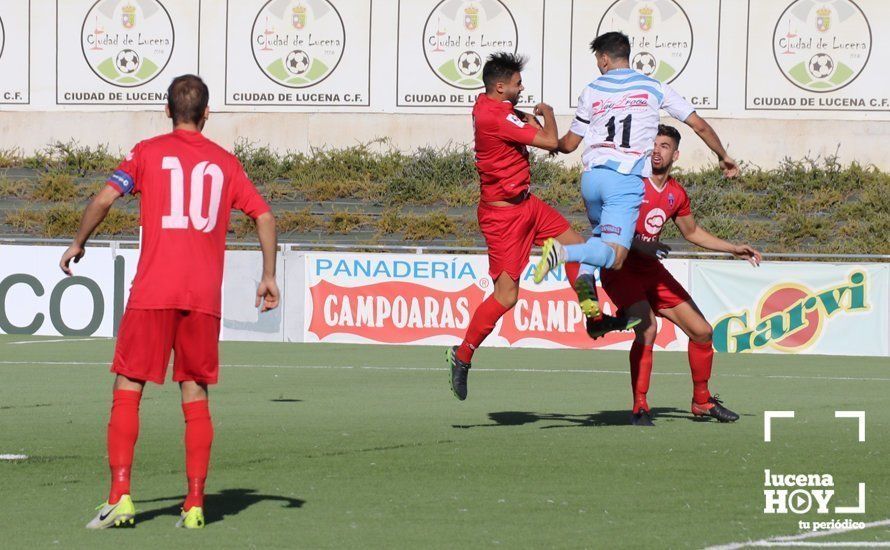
[
  {"x": 547, "y": 136},
  {"x": 698, "y": 236},
  {"x": 704, "y": 130},
  {"x": 569, "y": 142},
  {"x": 267, "y": 292},
  {"x": 93, "y": 215}
]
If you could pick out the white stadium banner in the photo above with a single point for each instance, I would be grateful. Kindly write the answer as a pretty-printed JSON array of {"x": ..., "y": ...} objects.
[
  {"x": 789, "y": 307},
  {"x": 15, "y": 50},
  {"x": 739, "y": 59},
  {"x": 123, "y": 52},
  {"x": 298, "y": 53},
  {"x": 675, "y": 42},
  {"x": 442, "y": 46},
  {"x": 830, "y": 55},
  {"x": 800, "y": 307}
]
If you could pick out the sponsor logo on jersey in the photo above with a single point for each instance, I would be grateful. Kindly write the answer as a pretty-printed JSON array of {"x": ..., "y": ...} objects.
[{"x": 654, "y": 222}]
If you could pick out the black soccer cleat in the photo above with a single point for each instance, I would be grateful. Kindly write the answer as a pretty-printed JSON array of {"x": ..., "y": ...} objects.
[
  {"x": 641, "y": 418},
  {"x": 714, "y": 408},
  {"x": 606, "y": 324},
  {"x": 459, "y": 372}
]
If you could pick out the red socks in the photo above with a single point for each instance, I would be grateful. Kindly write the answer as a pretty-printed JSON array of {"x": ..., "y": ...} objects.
[
  {"x": 701, "y": 357},
  {"x": 481, "y": 325},
  {"x": 640, "y": 374},
  {"x": 198, "y": 439},
  {"x": 572, "y": 270},
  {"x": 123, "y": 430}
]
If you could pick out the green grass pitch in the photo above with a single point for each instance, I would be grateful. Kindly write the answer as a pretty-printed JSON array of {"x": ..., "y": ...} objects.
[{"x": 337, "y": 446}]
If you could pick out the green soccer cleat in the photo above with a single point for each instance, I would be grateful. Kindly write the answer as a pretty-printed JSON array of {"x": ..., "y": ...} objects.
[
  {"x": 553, "y": 255},
  {"x": 585, "y": 288},
  {"x": 193, "y": 519},
  {"x": 120, "y": 514}
]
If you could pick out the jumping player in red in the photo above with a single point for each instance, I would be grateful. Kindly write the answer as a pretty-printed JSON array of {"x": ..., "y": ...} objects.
[
  {"x": 644, "y": 288},
  {"x": 510, "y": 217},
  {"x": 188, "y": 186}
]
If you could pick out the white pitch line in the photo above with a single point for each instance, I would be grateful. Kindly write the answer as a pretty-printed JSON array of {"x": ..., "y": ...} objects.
[
  {"x": 857, "y": 544},
  {"x": 23, "y": 342},
  {"x": 795, "y": 540},
  {"x": 475, "y": 369},
  {"x": 13, "y": 457}
]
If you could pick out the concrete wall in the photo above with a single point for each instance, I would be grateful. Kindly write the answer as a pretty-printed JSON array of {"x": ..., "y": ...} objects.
[{"x": 761, "y": 142}]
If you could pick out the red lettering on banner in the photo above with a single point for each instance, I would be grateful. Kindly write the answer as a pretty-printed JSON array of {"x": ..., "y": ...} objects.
[
  {"x": 554, "y": 316},
  {"x": 392, "y": 312}
]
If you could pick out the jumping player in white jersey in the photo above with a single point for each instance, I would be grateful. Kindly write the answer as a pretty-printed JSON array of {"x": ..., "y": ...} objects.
[{"x": 617, "y": 118}]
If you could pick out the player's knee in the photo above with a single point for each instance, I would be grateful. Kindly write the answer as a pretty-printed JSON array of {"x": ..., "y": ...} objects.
[
  {"x": 645, "y": 333},
  {"x": 508, "y": 300},
  {"x": 702, "y": 335}
]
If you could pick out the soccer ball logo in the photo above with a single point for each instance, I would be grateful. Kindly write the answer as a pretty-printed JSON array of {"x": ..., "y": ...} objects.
[
  {"x": 469, "y": 63},
  {"x": 297, "y": 62},
  {"x": 821, "y": 65},
  {"x": 127, "y": 61},
  {"x": 645, "y": 63}
]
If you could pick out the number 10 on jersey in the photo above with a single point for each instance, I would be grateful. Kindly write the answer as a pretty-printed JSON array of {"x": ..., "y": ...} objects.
[{"x": 177, "y": 218}]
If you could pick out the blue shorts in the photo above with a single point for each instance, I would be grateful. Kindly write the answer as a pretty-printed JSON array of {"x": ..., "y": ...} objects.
[{"x": 613, "y": 204}]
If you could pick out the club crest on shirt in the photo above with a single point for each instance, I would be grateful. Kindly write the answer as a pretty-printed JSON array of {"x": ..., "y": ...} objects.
[{"x": 671, "y": 200}]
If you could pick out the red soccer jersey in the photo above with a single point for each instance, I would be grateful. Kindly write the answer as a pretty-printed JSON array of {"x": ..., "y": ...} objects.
[
  {"x": 188, "y": 186},
  {"x": 657, "y": 207},
  {"x": 501, "y": 152}
]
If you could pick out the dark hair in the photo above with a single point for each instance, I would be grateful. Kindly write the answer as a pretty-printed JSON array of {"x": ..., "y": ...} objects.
[
  {"x": 614, "y": 44},
  {"x": 187, "y": 98},
  {"x": 669, "y": 131},
  {"x": 500, "y": 67}
]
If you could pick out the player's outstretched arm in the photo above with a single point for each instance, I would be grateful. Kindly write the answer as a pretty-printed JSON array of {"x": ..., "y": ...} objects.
[
  {"x": 695, "y": 234},
  {"x": 712, "y": 140},
  {"x": 569, "y": 142},
  {"x": 267, "y": 292},
  {"x": 93, "y": 215}
]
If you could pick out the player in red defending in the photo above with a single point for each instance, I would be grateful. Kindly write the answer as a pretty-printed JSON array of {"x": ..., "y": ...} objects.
[
  {"x": 644, "y": 288},
  {"x": 187, "y": 186},
  {"x": 510, "y": 217}
]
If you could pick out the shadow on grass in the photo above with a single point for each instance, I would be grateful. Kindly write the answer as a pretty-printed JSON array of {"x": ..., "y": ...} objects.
[
  {"x": 228, "y": 502},
  {"x": 559, "y": 420}
]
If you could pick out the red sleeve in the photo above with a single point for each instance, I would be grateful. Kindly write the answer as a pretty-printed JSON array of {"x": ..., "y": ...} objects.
[
  {"x": 685, "y": 208},
  {"x": 245, "y": 197},
  {"x": 125, "y": 178},
  {"x": 510, "y": 128}
]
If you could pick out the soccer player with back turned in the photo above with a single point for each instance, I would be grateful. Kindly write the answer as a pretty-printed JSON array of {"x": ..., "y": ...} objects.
[
  {"x": 510, "y": 217},
  {"x": 188, "y": 186}
]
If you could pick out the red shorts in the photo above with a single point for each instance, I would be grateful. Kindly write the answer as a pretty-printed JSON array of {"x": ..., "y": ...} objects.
[
  {"x": 147, "y": 336},
  {"x": 510, "y": 232},
  {"x": 654, "y": 285}
]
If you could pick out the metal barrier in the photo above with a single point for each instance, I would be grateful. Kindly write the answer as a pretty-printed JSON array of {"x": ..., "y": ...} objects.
[{"x": 437, "y": 249}]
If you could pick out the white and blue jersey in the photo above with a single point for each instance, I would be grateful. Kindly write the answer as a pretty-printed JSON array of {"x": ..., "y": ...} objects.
[{"x": 618, "y": 117}]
